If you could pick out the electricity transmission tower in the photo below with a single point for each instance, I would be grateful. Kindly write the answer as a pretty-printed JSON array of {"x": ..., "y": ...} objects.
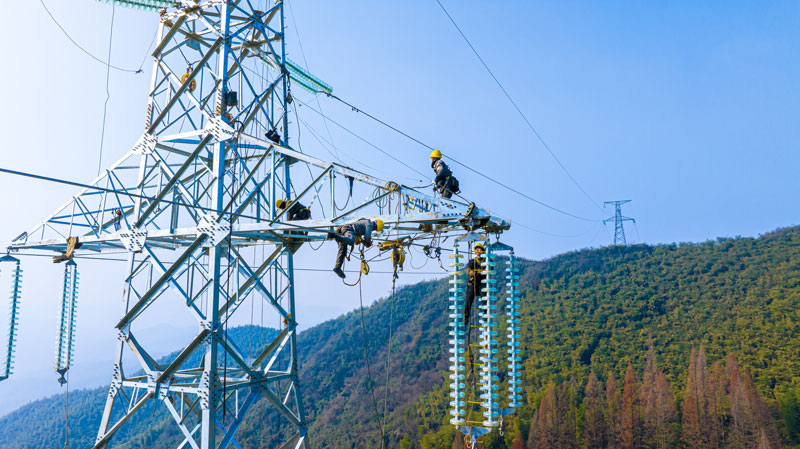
[
  {"x": 192, "y": 204},
  {"x": 619, "y": 219}
]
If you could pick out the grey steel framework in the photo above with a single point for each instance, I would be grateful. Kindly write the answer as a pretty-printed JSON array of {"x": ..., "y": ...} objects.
[
  {"x": 192, "y": 204},
  {"x": 619, "y": 220}
]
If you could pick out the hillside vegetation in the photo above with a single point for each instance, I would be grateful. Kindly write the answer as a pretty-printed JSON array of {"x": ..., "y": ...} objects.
[{"x": 586, "y": 315}]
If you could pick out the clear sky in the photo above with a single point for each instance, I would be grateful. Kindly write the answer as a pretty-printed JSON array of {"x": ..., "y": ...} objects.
[{"x": 687, "y": 108}]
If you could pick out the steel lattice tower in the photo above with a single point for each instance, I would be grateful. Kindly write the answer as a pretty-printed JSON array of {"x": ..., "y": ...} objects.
[
  {"x": 192, "y": 203},
  {"x": 619, "y": 219}
]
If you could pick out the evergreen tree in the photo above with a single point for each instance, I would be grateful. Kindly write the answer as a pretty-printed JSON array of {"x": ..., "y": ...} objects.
[{"x": 789, "y": 403}]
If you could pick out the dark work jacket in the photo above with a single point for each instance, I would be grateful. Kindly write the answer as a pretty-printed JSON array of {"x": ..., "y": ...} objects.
[
  {"x": 442, "y": 172},
  {"x": 297, "y": 211},
  {"x": 362, "y": 228},
  {"x": 475, "y": 272}
]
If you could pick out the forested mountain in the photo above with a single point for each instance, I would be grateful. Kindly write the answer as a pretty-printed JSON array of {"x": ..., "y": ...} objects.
[{"x": 682, "y": 345}]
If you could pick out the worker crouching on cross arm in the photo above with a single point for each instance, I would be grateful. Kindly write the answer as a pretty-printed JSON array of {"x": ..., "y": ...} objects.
[
  {"x": 297, "y": 211},
  {"x": 444, "y": 183},
  {"x": 476, "y": 277},
  {"x": 349, "y": 235}
]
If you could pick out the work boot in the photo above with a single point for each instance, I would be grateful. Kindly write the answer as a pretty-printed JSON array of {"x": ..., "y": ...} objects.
[{"x": 339, "y": 272}]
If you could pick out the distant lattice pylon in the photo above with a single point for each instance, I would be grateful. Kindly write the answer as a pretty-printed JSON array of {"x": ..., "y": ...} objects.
[{"x": 619, "y": 219}]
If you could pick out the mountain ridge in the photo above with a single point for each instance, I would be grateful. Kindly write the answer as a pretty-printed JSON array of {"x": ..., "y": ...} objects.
[{"x": 584, "y": 311}]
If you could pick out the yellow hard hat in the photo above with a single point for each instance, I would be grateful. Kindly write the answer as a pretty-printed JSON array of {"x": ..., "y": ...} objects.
[
  {"x": 279, "y": 203},
  {"x": 479, "y": 247},
  {"x": 436, "y": 153},
  {"x": 379, "y": 225}
]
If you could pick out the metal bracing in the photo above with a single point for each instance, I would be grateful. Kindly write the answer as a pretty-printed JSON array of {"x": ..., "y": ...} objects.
[{"x": 192, "y": 203}]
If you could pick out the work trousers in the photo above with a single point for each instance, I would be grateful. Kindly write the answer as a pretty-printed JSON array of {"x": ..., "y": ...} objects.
[
  {"x": 473, "y": 290},
  {"x": 446, "y": 193},
  {"x": 346, "y": 239},
  {"x": 304, "y": 214}
]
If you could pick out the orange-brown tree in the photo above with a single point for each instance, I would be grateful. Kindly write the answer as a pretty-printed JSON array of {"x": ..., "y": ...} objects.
[
  {"x": 595, "y": 431},
  {"x": 613, "y": 411},
  {"x": 631, "y": 412},
  {"x": 658, "y": 409}
]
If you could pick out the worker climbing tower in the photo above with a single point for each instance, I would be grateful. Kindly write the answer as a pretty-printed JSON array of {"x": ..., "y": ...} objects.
[
  {"x": 192, "y": 205},
  {"x": 477, "y": 405}
]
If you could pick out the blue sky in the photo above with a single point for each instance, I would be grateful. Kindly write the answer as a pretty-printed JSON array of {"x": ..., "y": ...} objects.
[{"x": 687, "y": 108}]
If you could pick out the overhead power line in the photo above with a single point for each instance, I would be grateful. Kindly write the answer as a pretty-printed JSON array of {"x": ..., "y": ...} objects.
[
  {"x": 514, "y": 103},
  {"x": 139, "y": 70},
  {"x": 487, "y": 177},
  {"x": 108, "y": 93},
  {"x": 361, "y": 138}
]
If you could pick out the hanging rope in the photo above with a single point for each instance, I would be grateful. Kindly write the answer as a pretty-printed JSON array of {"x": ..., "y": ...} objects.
[
  {"x": 389, "y": 349},
  {"x": 108, "y": 93},
  {"x": 369, "y": 367}
]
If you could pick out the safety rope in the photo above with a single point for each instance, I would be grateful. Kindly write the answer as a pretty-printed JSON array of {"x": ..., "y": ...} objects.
[
  {"x": 369, "y": 367},
  {"x": 389, "y": 345}
]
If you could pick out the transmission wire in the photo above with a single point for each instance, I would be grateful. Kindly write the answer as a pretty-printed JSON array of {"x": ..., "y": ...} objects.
[
  {"x": 108, "y": 93},
  {"x": 305, "y": 61},
  {"x": 362, "y": 139},
  {"x": 139, "y": 70},
  {"x": 513, "y": 103},
  {"x": 501, "y": 184}
]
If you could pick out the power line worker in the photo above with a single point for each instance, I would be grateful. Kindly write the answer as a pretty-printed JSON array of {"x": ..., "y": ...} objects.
[
  {"x": 352, "y": 234},
  {"x": 297, "y": 211},
  {"x": 476, "y": 275},
  {"x": 444, "y": 183}
]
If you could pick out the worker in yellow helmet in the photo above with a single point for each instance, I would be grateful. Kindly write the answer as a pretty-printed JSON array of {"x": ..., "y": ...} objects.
[
  {"x": 444, "y": 182},
  {"x": 296, "y": 211},
  {"x": 350, "y": 234},
  {"x": 476, "y": 276}
]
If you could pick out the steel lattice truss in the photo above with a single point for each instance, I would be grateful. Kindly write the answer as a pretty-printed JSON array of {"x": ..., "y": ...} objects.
[{"x": 194, "y": 198}]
